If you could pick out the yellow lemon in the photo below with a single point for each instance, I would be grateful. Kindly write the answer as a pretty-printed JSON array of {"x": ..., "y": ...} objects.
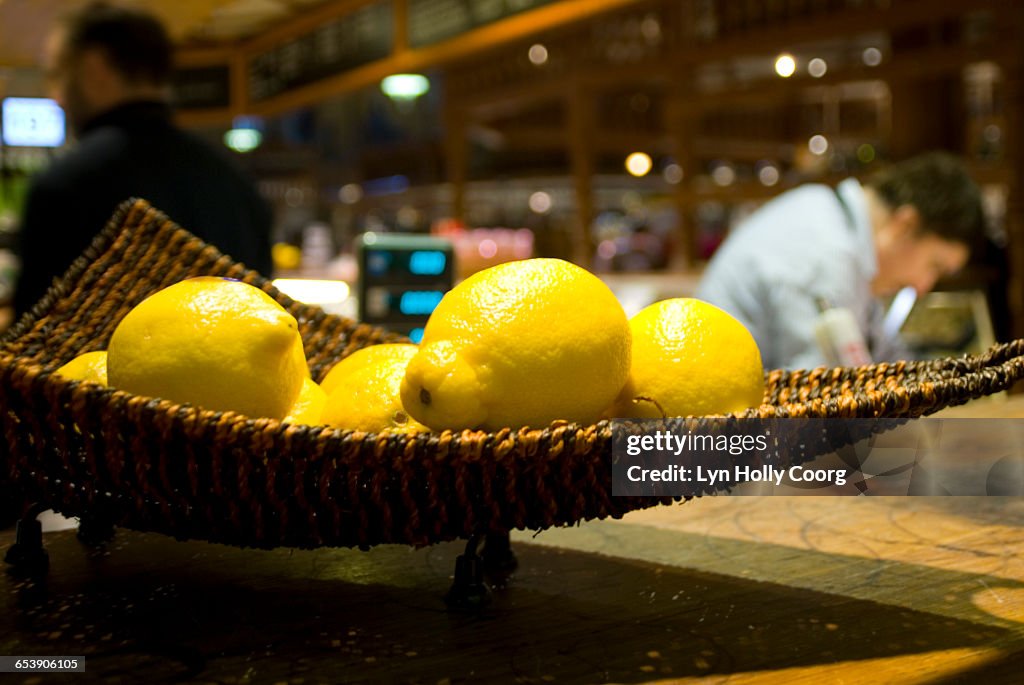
[
  {"x": 690, "y": 358},
  {"x": 365, "y": 391},
  {"x": 520, "y": 344},
  {"x": 91, "y": 366},
  {"x": 309, "y": 407},
  {"x": 365, "y": 357},
  {"x": 215, "y": 343}
]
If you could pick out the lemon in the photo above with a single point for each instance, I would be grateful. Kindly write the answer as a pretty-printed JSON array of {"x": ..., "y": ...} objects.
[
  {"x": 215, "y": 343},
  {"x": 91, "y": 366},
  {"x": 309, "y": 406},
  {"x": 690, "y": 358},
  {"x": 520, "y": 344},
  {"x": 365, "y": 390},
  {"x": 363, "y": 357}
]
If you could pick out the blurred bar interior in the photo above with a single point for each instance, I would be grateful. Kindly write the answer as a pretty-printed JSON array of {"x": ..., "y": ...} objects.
[{"x": 626, "y": 135}]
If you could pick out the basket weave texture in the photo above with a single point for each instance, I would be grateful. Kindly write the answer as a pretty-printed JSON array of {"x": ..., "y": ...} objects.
[{"x": 154, "y": 465}]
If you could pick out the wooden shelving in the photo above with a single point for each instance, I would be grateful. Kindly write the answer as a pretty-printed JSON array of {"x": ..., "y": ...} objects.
[{"x": 692, "y": 81}]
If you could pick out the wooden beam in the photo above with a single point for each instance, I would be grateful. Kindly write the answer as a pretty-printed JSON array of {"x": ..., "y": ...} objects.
[
  {"x": 345, "y": 82},
  {"x": 1013, "y": 111},
  {"x": 738, "y": 149},
  {"x": 238, "y": 85},
  {"x": 1014, "y": 98},
  {"x": 513, "y": 28},
  {"x": 456, "y": 149},
  {"x": 683, "y": 129},
  {"x": 300, "y": 25},
  {"x": 400, "y": 14},
  {"x": 555, "y": 138},
  {"x": 741, "y": 191},
  {"x": 658, "y": 73},
  {"x": 533, "y": 137},
  {"x": 656, "y": 143},
  {"x": 512, "y": 101},
  {"x": 987, "y": 173},
  {"x": 205, "y": 56},
  {"x": 491, "y": 104},
  {"x": 195, "y": 118},
  {"x": 581, "y": 137}
]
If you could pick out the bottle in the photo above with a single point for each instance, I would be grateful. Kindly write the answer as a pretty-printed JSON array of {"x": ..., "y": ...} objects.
[
  {"x": 839, "y": 337},
  {"x": 317, "y": 249}
]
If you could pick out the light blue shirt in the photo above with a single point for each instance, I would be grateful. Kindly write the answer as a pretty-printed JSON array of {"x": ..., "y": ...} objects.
[{"x": 797, "y": 248}]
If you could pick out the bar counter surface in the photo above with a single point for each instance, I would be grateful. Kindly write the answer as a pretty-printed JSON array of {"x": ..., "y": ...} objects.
[{"x": 721, "y": 589}]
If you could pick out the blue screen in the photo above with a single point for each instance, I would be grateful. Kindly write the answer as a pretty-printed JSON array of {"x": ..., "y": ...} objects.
[
  {"x": 427, "y": 262},
  {"x": 419, "y": 302},
  {"x": 33, "y": 122}
]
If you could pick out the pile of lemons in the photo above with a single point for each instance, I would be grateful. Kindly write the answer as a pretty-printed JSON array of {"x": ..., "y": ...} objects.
[{"x": 520, "y": 344}]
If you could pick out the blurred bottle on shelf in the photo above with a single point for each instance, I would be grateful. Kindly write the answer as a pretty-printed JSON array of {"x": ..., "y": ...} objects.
[
  {"x": 317, "y": 245},
  {"x": 480, "y": 248},
  {"x": 839, "y": 337}
]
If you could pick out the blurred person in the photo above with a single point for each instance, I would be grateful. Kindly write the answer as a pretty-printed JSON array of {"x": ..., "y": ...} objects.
[
  {"x": 909, "y": 225},
  {"x": 109, "y": 68},
  {"x": 645, "y": 251}
]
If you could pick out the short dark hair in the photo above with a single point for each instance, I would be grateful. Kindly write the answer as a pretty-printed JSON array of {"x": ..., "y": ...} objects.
[
  {"x": 938, "y": 186},
  {"x": 136, "y": 42}
]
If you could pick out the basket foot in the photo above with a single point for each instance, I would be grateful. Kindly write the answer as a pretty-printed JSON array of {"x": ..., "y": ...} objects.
[
  {"x": 499, "y": 560},
  {"x": 26, "y": 556},
  {"x": 468, "y": 591}
]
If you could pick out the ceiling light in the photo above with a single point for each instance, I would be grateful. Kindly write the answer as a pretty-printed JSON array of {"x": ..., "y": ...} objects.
[
  {"x": 405, "y": 86},
  {"x": 638, "y": 163},
  {"x": 785, "y": 65},
  {"x": 723, "y": 175},
  {"x": 540, "y": 202},
  {"x": 243, "y": 139},
  {"x": 768, "y": 175},
  {"x": 872, "y": 57},
  {"x": 672, "y": 173}
]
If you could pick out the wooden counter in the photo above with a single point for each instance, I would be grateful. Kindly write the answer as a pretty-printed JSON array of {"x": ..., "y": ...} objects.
[
  {"x": 723, "y": 589},
  {"x": 741, "y": 590}
]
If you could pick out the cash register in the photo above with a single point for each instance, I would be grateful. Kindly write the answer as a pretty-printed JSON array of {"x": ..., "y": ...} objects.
[{"x": 402, "y": 278}]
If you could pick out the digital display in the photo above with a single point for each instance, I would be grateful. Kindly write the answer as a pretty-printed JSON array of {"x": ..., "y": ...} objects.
[
  {"x": 382, "y": 262},
  {"x": 402, "y": 278},
  {"x": 427, "y": 262},
  {"x": 32, "y": 122},
  {"x": 388, "y": 301}
]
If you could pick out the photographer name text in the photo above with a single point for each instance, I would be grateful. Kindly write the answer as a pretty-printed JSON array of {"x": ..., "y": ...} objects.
[{"x": 764, "y": 473}]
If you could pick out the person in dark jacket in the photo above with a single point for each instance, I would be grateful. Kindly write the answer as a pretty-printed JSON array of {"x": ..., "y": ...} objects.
[{"x": 109, "y": 68}]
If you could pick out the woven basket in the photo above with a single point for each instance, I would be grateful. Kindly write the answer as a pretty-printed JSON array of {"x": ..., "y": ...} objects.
[{"x": 153, "y": 465}]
